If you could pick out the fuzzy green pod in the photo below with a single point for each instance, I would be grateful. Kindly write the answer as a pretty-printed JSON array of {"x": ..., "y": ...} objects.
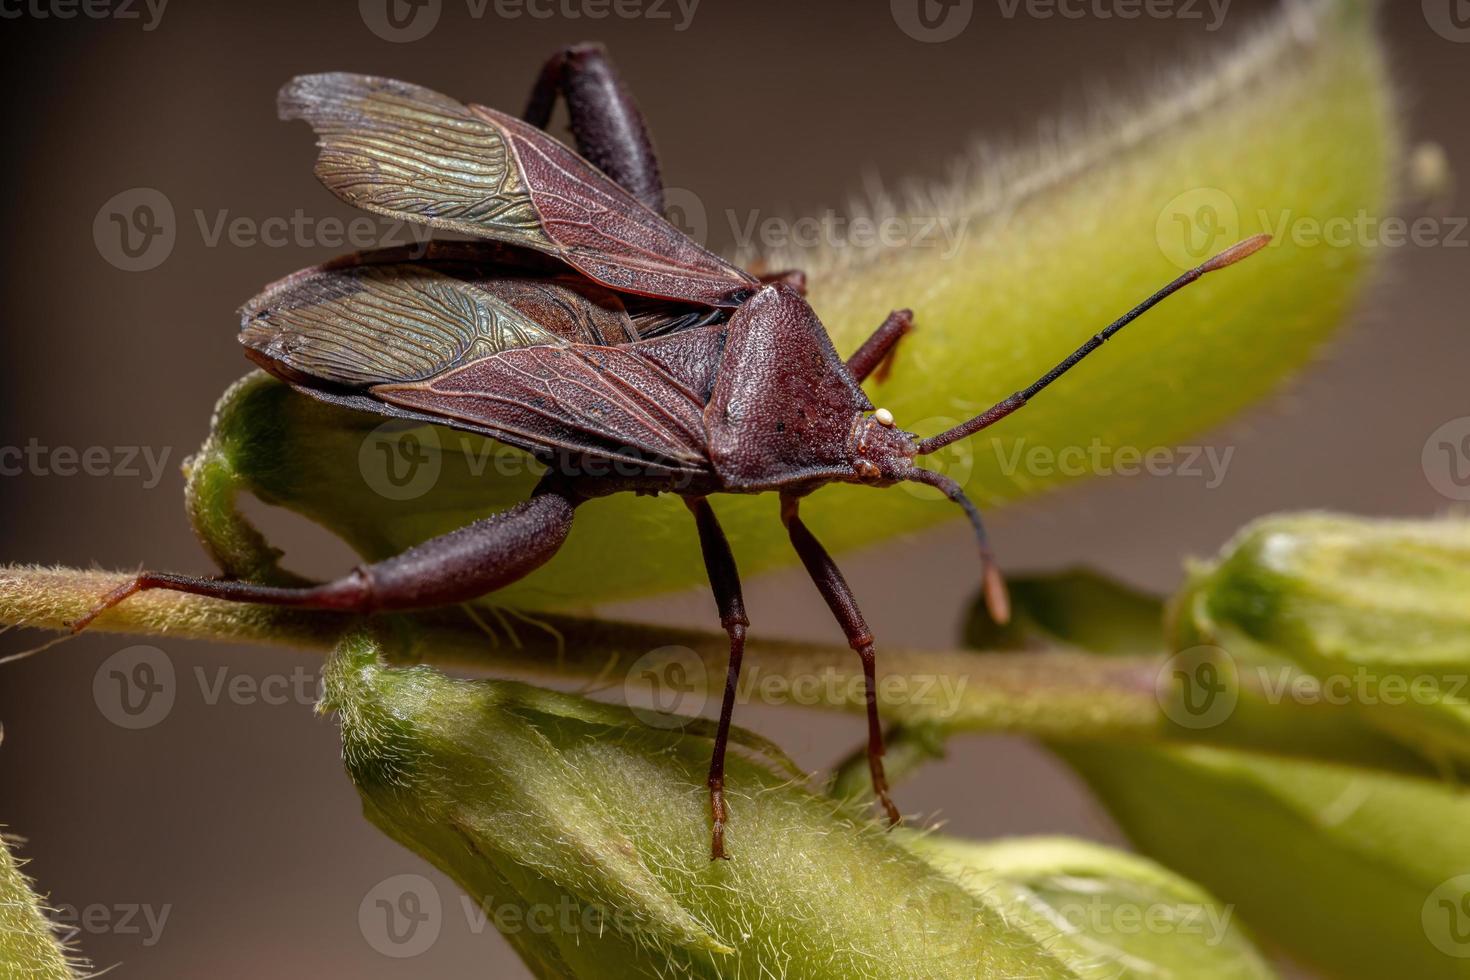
[
  {"x": 536, "y": 801},
  {"x": 30, "y": 948},
  {"x": 1114, "y": 915}
]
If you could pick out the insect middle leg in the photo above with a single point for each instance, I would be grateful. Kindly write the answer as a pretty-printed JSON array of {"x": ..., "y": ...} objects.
[
  {"x": 609, "y": 130},
  {"x": 834, "y": 588},
  {"x": 452, "y": 568},
  {"x": 878, "y": 349},
  {"x": 724, "y": 581}
]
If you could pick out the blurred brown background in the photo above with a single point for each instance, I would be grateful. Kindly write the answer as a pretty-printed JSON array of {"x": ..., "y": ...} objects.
[{"x": 234, "y": 819}]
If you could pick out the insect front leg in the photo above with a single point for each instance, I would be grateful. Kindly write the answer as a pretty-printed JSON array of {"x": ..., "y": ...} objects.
[
  {"x": 452, "y": 568},
  {"x": 878, "y": 348},
  {"x": 724, "y": 581},
  {"x": 609, "y": 129},
  {"x": 834, "y": 588},
  {"x": 793, "y": 278}
]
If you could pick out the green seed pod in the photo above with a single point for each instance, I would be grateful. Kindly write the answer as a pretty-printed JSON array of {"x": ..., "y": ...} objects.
[
  {"x": 30, "y": 948},
  {"x": 1110, "y": 913},
  {"x": 551, "y": 809}
]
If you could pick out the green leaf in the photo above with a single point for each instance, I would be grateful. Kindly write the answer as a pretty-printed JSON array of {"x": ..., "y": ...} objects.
[
  {"x": 534, "y": 800},
  {"x": 1051, "y": 242},
  {"x": 1110, "y": 914}
]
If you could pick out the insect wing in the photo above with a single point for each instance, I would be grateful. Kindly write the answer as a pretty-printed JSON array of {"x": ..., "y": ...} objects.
[
  {"x": 608, "y": 234},
  {"x": 377, "y": 324},
  {"x": 409, "y": 152},
  {"x": 435, "y": 345},
  {"x": 605, "y": 401}
]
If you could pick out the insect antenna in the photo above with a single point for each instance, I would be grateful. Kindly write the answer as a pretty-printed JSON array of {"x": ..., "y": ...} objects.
[
  {"x": 1001, "y": 409},
  {"x": 997, "y": 601}
]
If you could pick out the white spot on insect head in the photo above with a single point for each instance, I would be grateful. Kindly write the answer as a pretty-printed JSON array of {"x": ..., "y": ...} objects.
[{"x": 884, "y": 417}]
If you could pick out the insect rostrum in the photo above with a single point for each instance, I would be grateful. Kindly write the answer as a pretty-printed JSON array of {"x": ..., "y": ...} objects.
[{"x": 581, "y": 327}]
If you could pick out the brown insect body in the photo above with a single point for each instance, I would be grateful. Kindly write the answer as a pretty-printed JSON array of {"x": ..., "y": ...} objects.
[{"x": 585, "y": 329}]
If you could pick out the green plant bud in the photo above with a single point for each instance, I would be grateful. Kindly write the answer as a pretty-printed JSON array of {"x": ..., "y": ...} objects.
[
  {"x": 594, "y": 822},
  {"x": 1355, "y": 871},
  {"x": 1373, "y": 615},
  {"x": 1027, "y": 254},
  {"x": 1112, "y": 914}
]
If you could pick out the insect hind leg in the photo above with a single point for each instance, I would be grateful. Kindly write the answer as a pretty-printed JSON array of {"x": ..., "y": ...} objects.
[
  {"x": 605, "y": 121},
  {"x": 456, "y": 567}
]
